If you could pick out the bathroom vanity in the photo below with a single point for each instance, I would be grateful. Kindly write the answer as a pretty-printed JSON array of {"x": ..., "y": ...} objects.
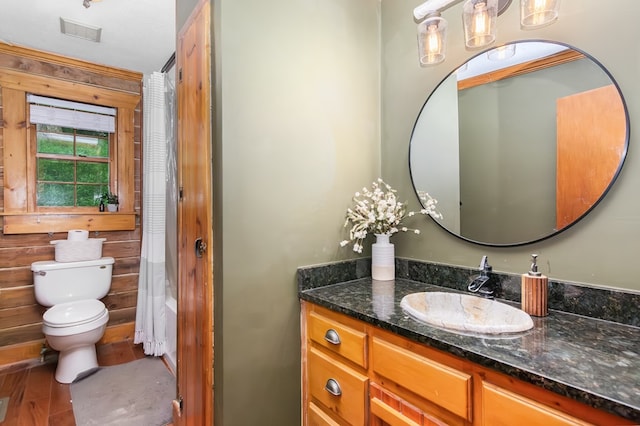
[{"x": 366, "y": 362}]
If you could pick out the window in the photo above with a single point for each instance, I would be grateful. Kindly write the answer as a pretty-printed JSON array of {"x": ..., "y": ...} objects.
[
  {"x": 73, "y": 151},
  {"x": 72, "y": 166},
  {"x": 78, "y": 142}
]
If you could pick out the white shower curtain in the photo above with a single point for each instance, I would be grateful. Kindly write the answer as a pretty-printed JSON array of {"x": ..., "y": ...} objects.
[{"x": 150, "y": 311}]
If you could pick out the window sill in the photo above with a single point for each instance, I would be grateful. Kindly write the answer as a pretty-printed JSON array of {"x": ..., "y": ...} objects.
[{"x": 42, "y": 223}]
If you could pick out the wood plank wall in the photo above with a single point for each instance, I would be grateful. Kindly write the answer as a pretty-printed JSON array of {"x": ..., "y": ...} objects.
[{"x": 20, "y": 314}]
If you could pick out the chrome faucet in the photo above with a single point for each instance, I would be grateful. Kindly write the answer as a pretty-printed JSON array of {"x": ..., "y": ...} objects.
[{"x": 482, "y": 284}]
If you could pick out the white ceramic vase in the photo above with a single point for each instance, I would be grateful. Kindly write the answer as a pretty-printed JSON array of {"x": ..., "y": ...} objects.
[{"x": 383, "y": 259}]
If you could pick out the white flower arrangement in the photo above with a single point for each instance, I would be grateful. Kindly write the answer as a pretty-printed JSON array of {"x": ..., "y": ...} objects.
[{"x": 377, "y": 211}]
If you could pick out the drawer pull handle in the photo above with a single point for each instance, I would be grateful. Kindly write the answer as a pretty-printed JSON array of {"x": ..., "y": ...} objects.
[
  {"x": 332, "y": 337},
  {"x": 333, "y": 387}
]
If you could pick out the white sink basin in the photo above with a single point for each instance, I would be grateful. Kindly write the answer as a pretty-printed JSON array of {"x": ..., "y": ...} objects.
[{"x": 465, "y": 313}]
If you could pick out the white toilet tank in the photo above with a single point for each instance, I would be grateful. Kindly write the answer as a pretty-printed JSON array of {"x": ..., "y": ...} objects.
[{"x": 59, "y": 282}]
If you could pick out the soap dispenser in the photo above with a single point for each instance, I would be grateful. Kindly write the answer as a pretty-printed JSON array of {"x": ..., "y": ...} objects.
[{"x": 535, "y": 288}]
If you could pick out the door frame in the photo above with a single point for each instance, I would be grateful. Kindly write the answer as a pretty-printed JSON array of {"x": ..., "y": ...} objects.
[{"x": 195, "y": 402}]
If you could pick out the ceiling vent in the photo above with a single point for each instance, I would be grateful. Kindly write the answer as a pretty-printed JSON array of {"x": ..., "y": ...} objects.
[{"x": 77, "y": 29}]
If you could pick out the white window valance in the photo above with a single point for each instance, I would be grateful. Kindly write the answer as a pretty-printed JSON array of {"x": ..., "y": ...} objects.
[{"x": 58, "y": 112}]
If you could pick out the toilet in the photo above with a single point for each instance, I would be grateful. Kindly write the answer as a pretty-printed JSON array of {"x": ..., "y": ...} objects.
[{"x": 76, "y": 318}]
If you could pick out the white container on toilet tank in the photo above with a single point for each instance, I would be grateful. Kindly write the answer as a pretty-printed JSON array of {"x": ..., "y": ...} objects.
[{"x": 56, "y": 282}]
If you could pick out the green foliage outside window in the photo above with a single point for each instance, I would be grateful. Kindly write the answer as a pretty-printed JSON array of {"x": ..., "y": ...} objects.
[
  {"x": 55, "y": 194},
  {"x": 55, "y": 170}
]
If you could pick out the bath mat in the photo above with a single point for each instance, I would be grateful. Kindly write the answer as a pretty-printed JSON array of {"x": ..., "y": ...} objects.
[{"x": 136, "y": 393}]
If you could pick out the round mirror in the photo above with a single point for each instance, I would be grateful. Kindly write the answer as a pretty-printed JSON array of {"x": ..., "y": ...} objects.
[{"x": 519, "y": 144}]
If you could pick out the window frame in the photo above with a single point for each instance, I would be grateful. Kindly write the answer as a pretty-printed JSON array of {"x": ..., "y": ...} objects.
[
  {"x": 112, "y": 161},
  {"x": 21, "y": 214}
]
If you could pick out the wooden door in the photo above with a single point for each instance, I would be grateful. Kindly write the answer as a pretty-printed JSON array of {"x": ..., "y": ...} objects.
[
  {"x": 590, "y": 144},
  {"x": 195, "y": 250}
]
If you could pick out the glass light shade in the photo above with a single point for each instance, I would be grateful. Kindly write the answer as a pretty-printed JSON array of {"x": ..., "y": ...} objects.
[
  {"x": 479, "y": 19},
  {"x": 432, "y": 33},
  {"x": 538, "y": 13},
  {"x": 502, "y": 52}
]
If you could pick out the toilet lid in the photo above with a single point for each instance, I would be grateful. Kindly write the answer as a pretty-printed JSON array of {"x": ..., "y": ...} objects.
[{"x": 74, "y": 313}]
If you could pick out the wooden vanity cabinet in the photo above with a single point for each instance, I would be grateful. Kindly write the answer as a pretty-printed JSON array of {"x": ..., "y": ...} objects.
[{"x": 385, "y": 379}]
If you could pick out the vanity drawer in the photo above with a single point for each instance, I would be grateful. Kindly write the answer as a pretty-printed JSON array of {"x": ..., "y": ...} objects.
[
  {"x": 317, "y": 417},
  {"x": 502, "y": 407},
  {"x": 338, "y": 338},
  {"x": 339, "y": 388},
  {"x": 442, "y": 385}
]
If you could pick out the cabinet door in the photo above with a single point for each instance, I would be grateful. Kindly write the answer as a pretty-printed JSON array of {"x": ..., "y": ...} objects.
[
  {"x": 502, "y": 407},
  {"x": 337, "y": 387}
]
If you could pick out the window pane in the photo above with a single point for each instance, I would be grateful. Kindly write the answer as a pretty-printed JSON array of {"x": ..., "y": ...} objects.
[
  {"x": 92, "y": 172},
  {"x": 55, "y": 170},
  {"x": 89, "y": 195},
  {"x": 92, "y": 144},
  {"x": 55, "y": 194},
  {"x": 69, "y": 179},
  {"x": 54, "y": 140}
]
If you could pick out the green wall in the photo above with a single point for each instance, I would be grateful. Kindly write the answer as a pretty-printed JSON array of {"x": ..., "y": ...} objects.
[
  {"x": 601, "y": 249},
  {"x": 297, "y": 106}
]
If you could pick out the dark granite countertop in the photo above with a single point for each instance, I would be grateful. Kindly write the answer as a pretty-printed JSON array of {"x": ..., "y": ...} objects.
[{"x": 593, "y": 361}]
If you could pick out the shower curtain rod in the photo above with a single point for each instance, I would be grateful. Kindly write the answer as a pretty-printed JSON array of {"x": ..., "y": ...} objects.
[{"x": 170, "y": 63}]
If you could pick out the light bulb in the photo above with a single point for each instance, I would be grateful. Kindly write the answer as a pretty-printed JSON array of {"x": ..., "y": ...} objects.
[
  {"x": 480, "y": 19},
  {"x": 539, "y": 7},
  {"x": 433, "y": 40}
]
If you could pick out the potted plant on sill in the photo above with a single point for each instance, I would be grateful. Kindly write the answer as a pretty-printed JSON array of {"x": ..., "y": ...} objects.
[{"x": 110, "y": 200}]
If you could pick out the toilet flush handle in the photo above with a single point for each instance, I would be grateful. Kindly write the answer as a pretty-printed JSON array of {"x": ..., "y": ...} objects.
[{"x": 41, "y": 273}]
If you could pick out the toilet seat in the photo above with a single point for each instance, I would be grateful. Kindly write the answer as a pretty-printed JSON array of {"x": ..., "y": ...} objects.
[{"x": 76, "y": 313}]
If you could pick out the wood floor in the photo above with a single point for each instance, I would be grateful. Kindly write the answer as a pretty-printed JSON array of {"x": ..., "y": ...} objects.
[{"x": 38, "y": 400}]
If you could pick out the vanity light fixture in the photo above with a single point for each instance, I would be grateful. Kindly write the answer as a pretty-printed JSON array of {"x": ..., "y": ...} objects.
[
  {"x": 479, "y": 19},
  {"x": 538, "y": 13},
  {"x": 432, "y": 33}
]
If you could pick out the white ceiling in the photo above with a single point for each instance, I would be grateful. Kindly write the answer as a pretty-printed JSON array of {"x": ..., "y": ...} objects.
[{"x": 137, "y": 35}]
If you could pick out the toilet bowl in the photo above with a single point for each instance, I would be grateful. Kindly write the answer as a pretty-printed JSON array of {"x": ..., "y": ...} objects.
[
  {"x": 73, "y": 329},
  {"x": 76, "y": 319}
]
